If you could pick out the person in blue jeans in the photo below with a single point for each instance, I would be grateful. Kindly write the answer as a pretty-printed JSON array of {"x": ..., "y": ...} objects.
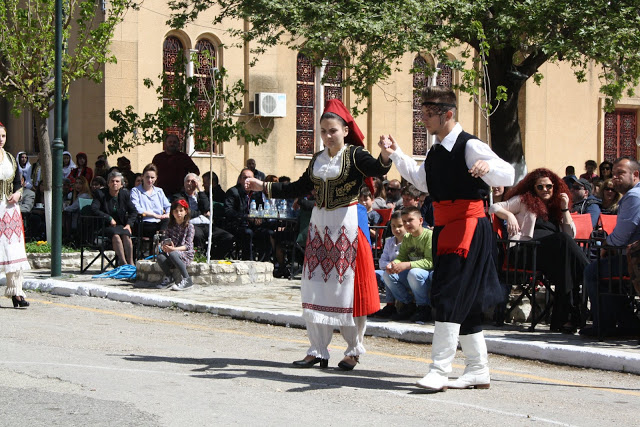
[
  {"x": 410, "y": 273},
  {"x": 615, "y": 317}
]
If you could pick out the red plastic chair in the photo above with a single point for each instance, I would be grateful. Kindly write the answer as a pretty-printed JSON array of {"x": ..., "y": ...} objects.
[
  {"x": 584, "y": 226},
  {"x": 608, "y": 222},
  {"x": 385, "y": 215}
]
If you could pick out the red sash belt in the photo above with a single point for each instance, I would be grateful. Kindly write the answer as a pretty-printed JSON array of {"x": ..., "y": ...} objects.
[{"x": 459, "y": 219}]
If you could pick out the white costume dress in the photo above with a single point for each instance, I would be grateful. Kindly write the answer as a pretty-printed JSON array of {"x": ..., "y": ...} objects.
[{"x": 13, "y": 258}]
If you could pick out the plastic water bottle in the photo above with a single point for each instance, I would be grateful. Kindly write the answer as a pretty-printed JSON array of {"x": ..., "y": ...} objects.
[
  {"x": 282, "y": 210},
  {"x": 267, "y": 209},
  {"x": 260, "y": 212},
  {"x": 252, "y": 209}
]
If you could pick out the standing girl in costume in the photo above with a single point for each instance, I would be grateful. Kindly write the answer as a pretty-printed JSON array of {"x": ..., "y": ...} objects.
[
  {"x": 13, "y": 258},
  {"x": 177, "y": 248},
  {"x": 339, "y": 286}
]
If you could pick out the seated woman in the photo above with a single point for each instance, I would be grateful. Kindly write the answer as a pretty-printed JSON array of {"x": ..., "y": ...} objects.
[
  {"x": 538, "y": 208},
  {"x": 114, "y": 205},
  {"x": 610, "y": 198},
  {"x": 82, "y": 169},
  {"x": 151, "y": 202},
  {"x": 81, "y": 190}
]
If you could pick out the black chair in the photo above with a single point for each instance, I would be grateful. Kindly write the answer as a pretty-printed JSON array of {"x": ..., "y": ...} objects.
[
  {"x": 615, "y": 287},
  {"x": 517, "y": 266},
  {"x": 142, "y": 243},
  {"x": 92, "y": 236}
]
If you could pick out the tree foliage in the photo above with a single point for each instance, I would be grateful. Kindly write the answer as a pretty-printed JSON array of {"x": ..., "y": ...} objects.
[
  {"x": 27, "y": 48},
  {"x": 186, "y": 94},
  {"x": 516, "y": 36},
  {"x": 27, "y": 58}
]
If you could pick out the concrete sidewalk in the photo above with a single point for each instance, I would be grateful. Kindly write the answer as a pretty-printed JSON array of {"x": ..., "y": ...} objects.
[{"x": 278, "y": 303}]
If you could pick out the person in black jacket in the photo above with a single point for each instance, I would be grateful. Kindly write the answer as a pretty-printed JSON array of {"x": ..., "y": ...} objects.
[
  {"x": 114, "y": 205},
  {"x": 200, "y": 214},
  {"x": 236, "y": 210}
]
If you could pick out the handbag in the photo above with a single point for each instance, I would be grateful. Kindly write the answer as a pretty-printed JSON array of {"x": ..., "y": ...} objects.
[{"x": 633, "y": 262}]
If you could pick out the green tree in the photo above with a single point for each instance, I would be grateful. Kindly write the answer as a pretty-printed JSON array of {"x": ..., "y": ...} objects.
[
  {"x": 507, "y": 41},
  {"x": 27, "y": 57}
]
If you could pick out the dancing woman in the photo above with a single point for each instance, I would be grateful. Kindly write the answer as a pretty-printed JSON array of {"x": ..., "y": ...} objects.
[
  {"x": 13, "y": 257},
  {"x": 339, "y": 287}
]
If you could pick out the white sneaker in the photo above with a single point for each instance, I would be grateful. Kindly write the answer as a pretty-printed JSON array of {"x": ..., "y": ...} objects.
[{"x": 184, "y": 284}]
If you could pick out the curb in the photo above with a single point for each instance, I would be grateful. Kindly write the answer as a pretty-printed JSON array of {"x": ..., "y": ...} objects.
[{"x": 573, "y": 355}]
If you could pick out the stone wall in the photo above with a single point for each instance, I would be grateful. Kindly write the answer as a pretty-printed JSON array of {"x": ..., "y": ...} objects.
[{"x": 234, "y": 273}]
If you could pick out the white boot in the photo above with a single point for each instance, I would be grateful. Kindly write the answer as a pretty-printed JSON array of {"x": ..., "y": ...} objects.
[
  {"x": 476, "y": 371},
  {"x": 443, "y": 350}
]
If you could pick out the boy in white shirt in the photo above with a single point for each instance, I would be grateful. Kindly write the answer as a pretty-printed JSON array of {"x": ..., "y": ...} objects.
[{"x": 389, "y": 253}]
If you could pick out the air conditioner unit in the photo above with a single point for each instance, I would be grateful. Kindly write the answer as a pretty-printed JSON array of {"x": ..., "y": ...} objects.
[{"x": 270, "y": 104}]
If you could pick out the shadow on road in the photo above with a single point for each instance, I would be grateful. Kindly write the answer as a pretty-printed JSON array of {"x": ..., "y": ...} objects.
[{"x": 332, "y": 377}]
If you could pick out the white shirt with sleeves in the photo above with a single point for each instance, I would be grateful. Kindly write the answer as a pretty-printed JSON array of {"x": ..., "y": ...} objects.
[{"x": 500, "y": 172}]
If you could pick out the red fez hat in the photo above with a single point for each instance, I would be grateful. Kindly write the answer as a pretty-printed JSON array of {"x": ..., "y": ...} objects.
[{"x": 355, "y": 136}]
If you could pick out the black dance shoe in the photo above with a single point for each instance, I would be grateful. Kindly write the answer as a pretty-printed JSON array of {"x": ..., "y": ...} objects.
[
  {"x": 347, "y": 366},
  {"x": 19, "y": 302},
  {"x": 309, "y": 363}
]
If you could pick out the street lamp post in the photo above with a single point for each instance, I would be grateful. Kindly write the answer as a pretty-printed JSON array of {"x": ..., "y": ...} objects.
[{"x": 56, "y": 153}]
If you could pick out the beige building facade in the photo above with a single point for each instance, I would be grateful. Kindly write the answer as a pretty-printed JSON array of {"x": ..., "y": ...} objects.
[{"x": 562, "y": 121}]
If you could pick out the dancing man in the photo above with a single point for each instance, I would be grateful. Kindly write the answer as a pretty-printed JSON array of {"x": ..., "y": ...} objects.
[{"x": 457, "y": 174}]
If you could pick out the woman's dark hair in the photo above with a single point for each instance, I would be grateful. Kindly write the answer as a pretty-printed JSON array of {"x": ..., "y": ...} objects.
[
  {"x": 378, "y": 186},
  {"x": 187, "y": 216},
  {"x": 150, "y": 167},
  {"x": 603, "y": 164},
  {"x": 329, "y": 115},
  {"x": 527, "y": 192}
]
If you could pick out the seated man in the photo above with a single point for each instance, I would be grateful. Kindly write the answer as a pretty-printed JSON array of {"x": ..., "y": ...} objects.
[
  {"x": 615, "y": 317},
  {"x": 221, "y": 240},
  {"x": 389, "y": 253},
  {"x": 210, "y": 179},
  {"x": 583, "y": 201},
  {"x": 236, "y": 210},
  {"x": 411, "y": 270}
]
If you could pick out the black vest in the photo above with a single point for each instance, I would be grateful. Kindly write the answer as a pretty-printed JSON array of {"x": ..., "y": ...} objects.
[{"x": 448, "y": 176}]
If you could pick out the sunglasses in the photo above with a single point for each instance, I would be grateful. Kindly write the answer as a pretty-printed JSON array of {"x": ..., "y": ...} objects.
[
  {"x": 609, "y": 189},
  {"x": 547, "y": 187},
  {"x": 606, "y": 168},
  {"x": 393, "y": 189}
]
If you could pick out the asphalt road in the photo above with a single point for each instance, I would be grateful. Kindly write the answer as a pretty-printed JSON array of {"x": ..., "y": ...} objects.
[{"x": 94, "y": 362}]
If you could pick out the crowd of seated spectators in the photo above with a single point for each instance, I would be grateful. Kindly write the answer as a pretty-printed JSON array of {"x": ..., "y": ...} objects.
[{"x": 139, "y": 204}]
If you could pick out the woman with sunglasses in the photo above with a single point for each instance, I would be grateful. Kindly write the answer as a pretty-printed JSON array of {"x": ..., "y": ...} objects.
[
  {"x": 538, "y": 209},
  {"x": 610, "y": 198},
  {"x": 606, "y": 168}
]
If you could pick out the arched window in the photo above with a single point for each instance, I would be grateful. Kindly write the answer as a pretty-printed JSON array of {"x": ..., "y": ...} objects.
[
  {"x": 422, "y": 141},
  {"x": 420, "y": 80},
  {"x": 305, "y": 103},
  {"x": 308, "y": 78},
  {"x": 204, "y": 73},
  {"x": 333, "y": 81},
  {"x": 171, "y": 51},
  {"x": 445, "y": 76}
]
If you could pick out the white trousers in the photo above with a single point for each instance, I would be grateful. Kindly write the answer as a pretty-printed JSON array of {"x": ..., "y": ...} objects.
[
  {"x": 14, "y": 285},
  {"x": 320, "y": 336}
]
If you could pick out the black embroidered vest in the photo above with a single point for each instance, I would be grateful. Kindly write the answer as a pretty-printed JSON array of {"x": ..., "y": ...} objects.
[{"x": 448, "y": 176}]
